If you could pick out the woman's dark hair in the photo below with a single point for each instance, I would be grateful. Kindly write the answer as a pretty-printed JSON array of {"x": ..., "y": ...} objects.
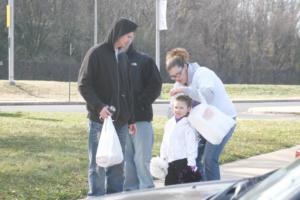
[
  {"x": 186, "y": 99},
  {"x": 176, "y": 57}
]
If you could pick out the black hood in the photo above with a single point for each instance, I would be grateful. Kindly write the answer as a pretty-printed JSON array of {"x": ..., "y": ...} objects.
[{"x": 121, "y": 27}]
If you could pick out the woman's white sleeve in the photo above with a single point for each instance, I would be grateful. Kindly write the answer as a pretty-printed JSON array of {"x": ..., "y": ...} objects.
[
  {"x": 192, "y": 146},
  {"x": 193, "y": 93},
  {"x": 201, "y": 87}
]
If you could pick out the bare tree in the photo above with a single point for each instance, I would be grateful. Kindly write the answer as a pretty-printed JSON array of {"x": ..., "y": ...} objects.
[
  {"x": 33, "y": 25},
  {"x": 244, "y": 41}
]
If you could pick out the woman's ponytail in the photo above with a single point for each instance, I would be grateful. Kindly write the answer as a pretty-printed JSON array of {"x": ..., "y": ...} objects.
[{"x": 176, "y": 57}]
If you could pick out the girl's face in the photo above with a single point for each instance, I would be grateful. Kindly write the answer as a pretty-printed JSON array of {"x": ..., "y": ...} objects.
[
  {"x": 179, "y": 74},
  {"x": 180, "y": 109}
]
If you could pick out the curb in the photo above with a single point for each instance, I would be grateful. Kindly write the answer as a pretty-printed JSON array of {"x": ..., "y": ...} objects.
[
  {"x": 265, "y": 100},
  {"x": 159, "y": 101},
  {"x": 276, "y": 110}
]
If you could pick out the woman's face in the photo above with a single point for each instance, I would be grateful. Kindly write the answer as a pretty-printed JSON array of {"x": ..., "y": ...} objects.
[{"x": 179, "y": 74}]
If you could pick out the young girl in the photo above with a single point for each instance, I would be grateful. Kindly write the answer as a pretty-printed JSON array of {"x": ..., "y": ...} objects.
[{"x": 179, "y": 144}]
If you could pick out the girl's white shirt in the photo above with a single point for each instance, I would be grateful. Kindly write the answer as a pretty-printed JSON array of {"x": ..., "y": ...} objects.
[
  {"x": 179, "y": 142},
  {"x": 205, "y": 81}
]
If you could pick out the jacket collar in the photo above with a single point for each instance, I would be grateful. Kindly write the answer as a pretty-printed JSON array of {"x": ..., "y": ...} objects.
[
  {"x": 191, "y": 71},
  {"x": 184, "y": 120}
]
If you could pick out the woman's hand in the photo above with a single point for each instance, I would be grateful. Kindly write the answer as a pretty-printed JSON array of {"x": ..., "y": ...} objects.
[{"x": 177, "y": 90}]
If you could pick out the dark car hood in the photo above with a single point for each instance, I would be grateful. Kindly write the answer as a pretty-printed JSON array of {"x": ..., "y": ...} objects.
[{"x": 200, "y": 190}]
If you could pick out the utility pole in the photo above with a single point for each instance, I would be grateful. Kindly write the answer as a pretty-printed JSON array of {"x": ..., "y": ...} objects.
[
  {"x": 157, "y": 40},
  {"x": 10, "y": 25},
  {"x": 161, "y": 24},
  {"x": 95, "y": 23}
]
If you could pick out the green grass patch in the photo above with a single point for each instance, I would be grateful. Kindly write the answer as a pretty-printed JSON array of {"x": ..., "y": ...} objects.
[
  {"x": 44, "y": 155},
  {"x": 254, "y": 137},
  {"x": 252, "y": 92},
  {"x": 244, "y": 91}
]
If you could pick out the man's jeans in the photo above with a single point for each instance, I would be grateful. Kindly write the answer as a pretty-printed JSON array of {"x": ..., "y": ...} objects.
[
  {"x": 138, "y": 153},
  {"x": 104, "y": 180},
  {"x": 209, "y": 154}
]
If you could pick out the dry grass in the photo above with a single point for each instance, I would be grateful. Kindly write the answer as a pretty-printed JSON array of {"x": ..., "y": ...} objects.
[
  {"x": 39, "y": 91},
  {"x": 54, "y": 91}
]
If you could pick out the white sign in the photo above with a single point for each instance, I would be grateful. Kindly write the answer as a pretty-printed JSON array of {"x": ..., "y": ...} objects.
[{"x": 163, "y": 15}]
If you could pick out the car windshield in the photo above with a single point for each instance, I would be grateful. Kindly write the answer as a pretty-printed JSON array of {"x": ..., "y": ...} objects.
[
  {"x": 282, "y": 184},
  {"x": 239, "y": 188}
]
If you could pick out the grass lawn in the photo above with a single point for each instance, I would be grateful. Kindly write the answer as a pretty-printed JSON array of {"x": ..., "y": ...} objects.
[
  {"x": 59, "y": 91},
  {"x": 44, "y": 155},
  {"x": 253, "y": 92}
]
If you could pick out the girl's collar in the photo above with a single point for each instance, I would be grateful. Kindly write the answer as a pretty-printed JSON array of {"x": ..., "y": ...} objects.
[{"x": 180, "y": 120}]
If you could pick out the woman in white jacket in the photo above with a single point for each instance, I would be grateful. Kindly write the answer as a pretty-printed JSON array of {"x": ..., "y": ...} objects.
[
  {"x": 179, "y": 144},
  {"x": 200, "y": 82}
]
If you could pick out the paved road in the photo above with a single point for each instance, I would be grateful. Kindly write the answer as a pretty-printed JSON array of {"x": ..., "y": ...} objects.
[{"x": 161, "y": 109}]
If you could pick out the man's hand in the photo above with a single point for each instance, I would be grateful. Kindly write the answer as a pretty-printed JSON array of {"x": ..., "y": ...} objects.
[
  {"x": 175, "y": 91},
  {"x": 104, "y": 113},
  {"x": 132, "y": 129}
]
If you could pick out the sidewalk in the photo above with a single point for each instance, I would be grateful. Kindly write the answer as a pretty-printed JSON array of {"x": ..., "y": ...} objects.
[
  {"x": 276, "y": 110},
  {"x": 253, "y": 166},
  {"x": 258, "y": 165}
]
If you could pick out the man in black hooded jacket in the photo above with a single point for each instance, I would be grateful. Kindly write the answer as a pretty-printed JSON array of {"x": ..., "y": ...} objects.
[
  {"x": 104, "y": 80},
  {"x": 138, "y": 152}
]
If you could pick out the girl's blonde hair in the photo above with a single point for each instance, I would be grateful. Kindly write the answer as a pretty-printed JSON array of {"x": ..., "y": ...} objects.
[{"x": 176, "y": 57}]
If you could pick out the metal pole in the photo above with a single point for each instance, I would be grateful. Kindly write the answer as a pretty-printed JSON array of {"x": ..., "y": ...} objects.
[
  {"x": 69, "y": 71},
  {"x": 157, "y": 40},
  {"x": 95, "y": 23},
  {"x": 11, "y": 45}
]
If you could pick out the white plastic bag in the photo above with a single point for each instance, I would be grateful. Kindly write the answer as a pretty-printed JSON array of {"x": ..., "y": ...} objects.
[
  {"x": 158, "y": 167},
  {"x": 109, "y": 150},
  {"x": 210, "y": 122}
]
